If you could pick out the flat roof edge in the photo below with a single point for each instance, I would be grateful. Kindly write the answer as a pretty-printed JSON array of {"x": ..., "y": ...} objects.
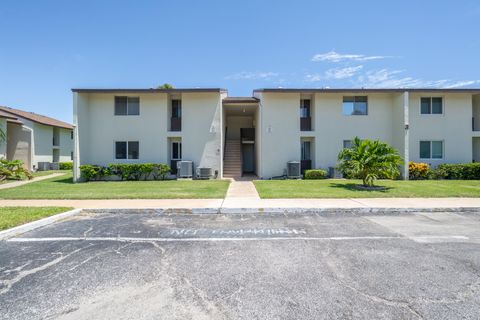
[
  {"x": 151, "y": 90},
  {"x": 393, "y": 90}
]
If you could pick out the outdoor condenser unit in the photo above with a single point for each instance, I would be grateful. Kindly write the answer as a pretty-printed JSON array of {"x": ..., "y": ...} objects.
[
  {"x": 204, "y": 173},
  {"x": 185, "y": 169},
  {"x": 293, "y": 170},
  {"x": 43, "y": 166}
]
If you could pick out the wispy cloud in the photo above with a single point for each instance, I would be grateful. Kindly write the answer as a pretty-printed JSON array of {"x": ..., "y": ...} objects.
[
  {"x": 335, "y": 73},
  {"x": 248, "y": 75},
  {"x": 333, "y": 56},
  {"x": 385, "y": 78}
]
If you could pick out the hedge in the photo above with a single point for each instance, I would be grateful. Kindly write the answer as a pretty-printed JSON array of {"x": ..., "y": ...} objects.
[
  {"x": 315, "y": 174},
  {"x": 65, "y": 165},
  {"x": 462, "y": 171},
  {"x": 418, "y": 171},
  {"x": 141, "y": 171}
]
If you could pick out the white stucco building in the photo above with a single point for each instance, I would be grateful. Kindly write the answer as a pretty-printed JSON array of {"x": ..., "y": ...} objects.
[
  {"x": 260, "y": 134},
  {"x": 34, "y": 138}
]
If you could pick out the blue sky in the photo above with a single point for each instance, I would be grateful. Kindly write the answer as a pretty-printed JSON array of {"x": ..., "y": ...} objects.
[{"x": 49, "y": 47}]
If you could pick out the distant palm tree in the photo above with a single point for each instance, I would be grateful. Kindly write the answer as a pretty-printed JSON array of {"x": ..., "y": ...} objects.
[
  {"x": 368, "y": 160},
  {"x": 165, "y": 86}
]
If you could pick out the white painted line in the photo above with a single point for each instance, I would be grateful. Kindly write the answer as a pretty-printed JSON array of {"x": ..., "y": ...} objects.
[
  {"x": 132, "y": 239},
  {"x": 36, "y": 224}
]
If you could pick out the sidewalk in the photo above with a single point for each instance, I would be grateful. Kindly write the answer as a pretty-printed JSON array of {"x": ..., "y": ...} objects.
[
  {"x": 22, "y": 182},
  {"x": 242, "y": 204}
]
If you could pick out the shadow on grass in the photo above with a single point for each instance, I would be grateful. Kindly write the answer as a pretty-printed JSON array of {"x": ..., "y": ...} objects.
[
  {"x": 64, "y": 180},
  {"x": 356, "y": 187}
]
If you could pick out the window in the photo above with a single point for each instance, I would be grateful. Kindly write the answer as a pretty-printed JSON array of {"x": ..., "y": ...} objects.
[
  {"x": 71, "y": 135},
  {"x": 431, "y": 149},
  {"x": 176, "y": 150},
  {"x": 347, "y": 144},
  {"x": 126, "y": 149},
  {"x": 431, "y": 105},
  {"x": 306, "y": 150},
  {"x": 304, "y": 108},
  {"x": 176, "y": 108},
  {"x": 71, "y": 155},
  {"x": 355, "y": 106},
  {"x": 127, "y": 106}
]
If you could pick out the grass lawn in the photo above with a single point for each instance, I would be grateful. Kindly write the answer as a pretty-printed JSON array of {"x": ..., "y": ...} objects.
[
  {"x": 333, "y": 188},
  {"x": 14, "y": 216},
  {"x": 63, "y": 188}
]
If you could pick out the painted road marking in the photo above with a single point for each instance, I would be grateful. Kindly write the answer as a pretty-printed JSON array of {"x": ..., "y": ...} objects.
[{"x": 134, "y": 239}]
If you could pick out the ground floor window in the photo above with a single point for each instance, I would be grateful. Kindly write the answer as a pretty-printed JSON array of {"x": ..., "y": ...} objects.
[
  {"x": 127, "y": 149},
  {"x": 306, "y": 154},
  {"x": 431, "y": 149}
]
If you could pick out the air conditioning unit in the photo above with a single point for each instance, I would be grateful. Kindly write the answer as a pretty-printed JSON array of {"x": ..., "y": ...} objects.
[
  {"x": 334, "y": 173},
  {"x": 204, "y": 173},
  {"x": 293, "y": 170},
  {"x": 43, "y": 166},
  {"x": 184, "y": 169},
  {"x": 54, "y": 166}
]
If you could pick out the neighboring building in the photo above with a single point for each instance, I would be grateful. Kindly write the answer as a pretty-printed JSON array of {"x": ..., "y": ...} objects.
[
  {"x": 260, "y": 134},
  {"x": 34, "y": 138}
]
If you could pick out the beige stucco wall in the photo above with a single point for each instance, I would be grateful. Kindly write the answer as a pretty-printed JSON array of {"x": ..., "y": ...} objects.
[
  {"x": 235, "y": 123},
  {"x": 99, "y": 128},
  {"x": 19, "y": 144},
  {"x": 453, "y": 127},
  {"x": 3, "y": 144},
  {"x": 476, "y": 112}
]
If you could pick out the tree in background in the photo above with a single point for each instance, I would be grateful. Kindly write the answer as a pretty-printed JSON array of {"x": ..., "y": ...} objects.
[{"x": 165, "y": 86}]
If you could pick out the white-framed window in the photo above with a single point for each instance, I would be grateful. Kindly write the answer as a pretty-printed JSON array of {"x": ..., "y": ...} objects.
[
  {"x": 176, "y": 150},
  {"x": 431, "y": 105},
  {"x": 431, "y": 149},
  {"x": 306, "y": 150},
  {"x": 305, "y": 108},
  {"x": 127, "y": 106},
  {"x": 355, "y": 106},
  {"x": 127, "y": 150}
]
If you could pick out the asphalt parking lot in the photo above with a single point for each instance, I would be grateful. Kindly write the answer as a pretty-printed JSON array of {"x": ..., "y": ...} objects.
[{"x": 264, "y": 266}]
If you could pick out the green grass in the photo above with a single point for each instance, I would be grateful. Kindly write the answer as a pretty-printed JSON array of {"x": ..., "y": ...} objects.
[
  {"x": 13, "y": 216},
  {"x": 63, "y": 188},
  {"x": 332, "y": 188},
  {"x": 46, "y": 173}
]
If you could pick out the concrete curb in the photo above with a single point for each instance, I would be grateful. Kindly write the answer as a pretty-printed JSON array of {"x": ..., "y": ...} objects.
[
  {"x": 15, "y": 231},
  {"x": 299, "y": 210}
]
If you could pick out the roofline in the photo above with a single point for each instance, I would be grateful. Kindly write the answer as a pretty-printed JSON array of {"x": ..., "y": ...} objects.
[
  {"x": 383, "y": 90},
  {"x": 150, "y": 90},
  {"x": 9, "y": 116},
  {"x": 67, "y": 126},
  {"x": 240, "y": 100}
]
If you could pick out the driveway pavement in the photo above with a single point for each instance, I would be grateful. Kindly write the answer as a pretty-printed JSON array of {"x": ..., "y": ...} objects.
[{"x": 150, "y": 266}]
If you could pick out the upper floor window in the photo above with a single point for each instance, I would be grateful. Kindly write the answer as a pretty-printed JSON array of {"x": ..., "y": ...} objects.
[
  {"x": 431, "y": 149},
  {"x": 127, "y": 106},
  {"x": 126, "y": 149},
  {"x": 176, "y": 108},
  {"x": 431, "y": 105},
  {"x": 304, "y": 108},
  {"x": 71, "y": 134},
  {"x": 355, "y": 106}
]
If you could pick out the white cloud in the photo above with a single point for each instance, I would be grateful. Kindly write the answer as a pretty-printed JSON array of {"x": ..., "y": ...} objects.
[
  {"x": 335, "y": 73},
  {"x": 333, "y": 56},
  {"x": 385, "y": 78},
  {"x": 247, "y": 75}
]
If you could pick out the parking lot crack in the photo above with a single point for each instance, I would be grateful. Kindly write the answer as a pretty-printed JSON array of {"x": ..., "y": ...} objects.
[{"x": 7, "y": 284}]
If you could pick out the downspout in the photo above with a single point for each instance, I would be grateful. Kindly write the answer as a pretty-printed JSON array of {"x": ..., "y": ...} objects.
[
  {"x": 32, "y": 146},
  {"x": 406, "y": 155}
]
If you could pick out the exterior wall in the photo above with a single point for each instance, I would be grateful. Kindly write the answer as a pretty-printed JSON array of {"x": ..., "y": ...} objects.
[
  {"x": 235, "y": 123},
  {"x": 19, "y": 144},
  {"x": 43, "y": 143},
  {"x": 3, "y": 144},
  {"x": 98, "y": 128},
  {"x": 453, "y": 127},
  {"x": 476, "y": 149},
  {"x": 476, "y": 112}
]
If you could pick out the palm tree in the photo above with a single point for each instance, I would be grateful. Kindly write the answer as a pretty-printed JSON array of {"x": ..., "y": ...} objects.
[
  {"x": 165, "y": 86},
  {"x": 368, "y": 160}
]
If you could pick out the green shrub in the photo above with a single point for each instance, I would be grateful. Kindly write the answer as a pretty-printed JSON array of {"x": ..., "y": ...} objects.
[
  {"x": 13, "y": 170},
  {"x": 65, "y": 165},
  {"x": 315, "y": 174},
  {"x": 133, "y": 171},
  {"x": 418, "y": 171},
  {"x": 462, "y": 171}
]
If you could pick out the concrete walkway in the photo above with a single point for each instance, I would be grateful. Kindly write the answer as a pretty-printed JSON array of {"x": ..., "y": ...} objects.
[
  {"x": 22, "y": 182},
  {"x": 232, "y": 203},
  {"x": 242, "y": 189}
]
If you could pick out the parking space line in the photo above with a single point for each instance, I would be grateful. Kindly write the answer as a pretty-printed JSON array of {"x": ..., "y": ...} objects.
[{"x": 218, "y": 239}]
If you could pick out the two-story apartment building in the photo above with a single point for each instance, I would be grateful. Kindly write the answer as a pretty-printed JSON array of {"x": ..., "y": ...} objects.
[
  {"x": 34, "y": 138},
  {"x": 260, "y": 134}
]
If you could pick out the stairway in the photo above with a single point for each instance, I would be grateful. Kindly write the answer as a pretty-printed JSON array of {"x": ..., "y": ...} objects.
[{"x": 232, "y": 162}]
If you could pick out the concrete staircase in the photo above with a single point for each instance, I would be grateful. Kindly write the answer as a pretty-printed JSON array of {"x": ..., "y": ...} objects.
[{"x": 232, "y": 162}]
